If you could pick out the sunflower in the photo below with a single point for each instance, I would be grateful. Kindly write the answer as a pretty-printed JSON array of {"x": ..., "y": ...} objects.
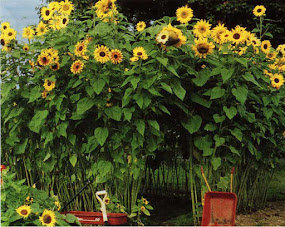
[
  {"x": 46, "y": 13},
  {"x": 271, "y": 55},
  {"x": 80, "y": 48},
  {"x": 242, "y": 50},
  {"x": 49, "y": 85},
  {"x": 28, "y": 33},
  {"x": 140, "y": 53},
  {"x": 237, "y": 36},
  {"x": 225, "y": 36},
  {"x": 162, "y": 37},
  {"x": 175, "y": 36},
  {"x": 5, "y": 26},
  {"x": 277, "y": 80},
  {"x": 41, "y": 29},
  {"x": 77, "y": 67},
  {"x": 281, "y": 49},
  {"x": 66, "y": 7},
  {"x": 52, "y": 53},
  {"x": 101, "y": 54},
  {"x": 3, "y": 40},
  {"x": 202, "y": 48},
  {"x": 57, "y": 203},
  {"x": 55, "y": 66},
  {"x": 255, "y": 41},
  {"x": 202, "y": 29},
  {"x": 145, "y": 201},
  {"x": 106, "y": 10},
  {"x": 54, "y": 23},
  {"x": 184, "y": 14},
  {"x": 48, "y": 218},
  {"x": 134, "y": 59},
  {"x": 217, "y": 32},
  {"x": 142, "y": 208},
  {"x": 26, "y": 48},
  {"x": 259, "y": 10},
  {"x": 54, "y": 6},
  {"x": 265, "y": 46},
  {"x": 45, "y": 94},
  {"x": 107, "y": 201},
  {"x": 10, "y": 34},
  {"x": 63, "y": 21},
  {"x": 24, "y": 211},
  {"x": 32, "y": 64},
  {"x": 116, "y": 56},
  {"x": 140, "y": 26},
  {"x": 44, "y": 59}
]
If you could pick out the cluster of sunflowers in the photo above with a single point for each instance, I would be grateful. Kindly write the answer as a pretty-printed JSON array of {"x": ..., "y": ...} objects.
[
  {"x": 7, "y": 35},
  {"x": 106, "y": 10}
]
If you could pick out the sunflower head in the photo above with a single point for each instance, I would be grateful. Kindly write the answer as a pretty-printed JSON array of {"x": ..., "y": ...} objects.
[
  {"x": 49, "y": 85},
  {"x": 140, "y": 26},
  {"x": 5, "y": 26},
  {"x": 65, "y": 7},
  {"x": 217, "y": 32},
  {"x": 48, "y": 218},
  {"x": 24, "y": 211},
  {"x": 142, "y": 208},
  {"x": 10, "y": 34},
  {"x": 202, "y": 48},
  {"x": 77, "y": 67},
  {"x": 140, "y": 53},
  {"x": 259, "y": 10},
  {"x": 162, "y": 37},
  {"x": 44, "y": 59},
  {"x": 116, "y": 56},
  {"x": 277, "y": 80},
  {"x": 26, "y": 48},
  {"x": 271, "y": 55},
  {"x": 55, "y": 66},
  {"x": 54, "y": 6},
  {"x": 145, "y": 201},
  {"x": 80, "y": 48},
  {"x": 134, "y": 59},
  {"x": 28, "y": 32},
  {"x": 237, "y": 36},
  {"x": 46, "y": 13},
  {"x": 202, "y": 29},
  {"x": 171, "y": 36},
  {"x": 41, "y": 29},
  {"x": 265, "y": 46},
  {"x": 184, "y": 14},
  {"x": 102, "y": 54}
]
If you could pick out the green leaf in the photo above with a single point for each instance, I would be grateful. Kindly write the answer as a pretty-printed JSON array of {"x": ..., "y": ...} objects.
[
  {"x": 234, "y": 150},
  {"x": 230, "y": 112},
  {"x": 62, "y": 129},
  {"x": 226, "y": 74},
  {"x": 38, "y": 120},
  {"x": 248, "y": 77},
  {"x": 218, "y": 118},
  {"x": 135, "y": 82},
  {"x": 193, "y": 124},
  {"x": 216, "y": 162},
  {"x": 242, "y": 61},
  {"x": 20, "y": 149},
  {"x": 179, "y": 91},
  {"x": 163, "y": 61},
  {"x": 35, "y": 94},
  {"x": 73, "y": 160},
  {"x": 84, "y": 104},
  {"x": 98, "y": 85},
  {"x": 139, "y": 100},
  {"x": 196, "y": 98},
  {"x": 267, "y": 112},
  {"x": 166, "y": 87},
  {"x": 202, "y": 78},
  {"x": 114, "y": 113},
  {"x": 204, "y": 144},
  {"x": 240, "y": 93},
  {"x": 210, "y": 127},
  {"x": 237, "y": 133},
  {"x": 154, "y": 124},
  {"x": 275, "y": 99},
  {"x": 146, "y": 212},
  {"x": 140, "y": 126},
  {"x": 171, "y": 69},
  {"x": 219, "y": 140},
  {"x": 101, "y": 135},
  {"x": 217, "y": 92},
  {"x": 70, "y": 218},
  {"x": 164, "y": 109}
]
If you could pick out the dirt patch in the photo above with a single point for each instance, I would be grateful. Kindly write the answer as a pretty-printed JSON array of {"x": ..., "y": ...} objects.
[{"x": 272, "y": 215}]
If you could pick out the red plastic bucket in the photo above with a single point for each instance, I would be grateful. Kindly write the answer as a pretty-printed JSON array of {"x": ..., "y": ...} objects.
[
  {"x": 96, "y": 218},
  {"x": 219, "y": 209}
]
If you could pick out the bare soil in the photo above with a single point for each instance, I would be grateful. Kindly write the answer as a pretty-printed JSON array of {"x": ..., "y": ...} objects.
[{"x": 272, "y": 215}]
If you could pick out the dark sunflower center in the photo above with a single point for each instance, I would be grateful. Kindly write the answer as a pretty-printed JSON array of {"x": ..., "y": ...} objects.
[
  {"x": 102, "y": 54},
  {"x": 24, "y": 212},
  {"x": 54, "y": 66},
  {"x": 254, "y": 42},
  {"x": 64, "y": 20},
  {"x": 49, "y": 83},
  {"x": 66, "y": 7},
  {"x": 4, "y": 27},
  {"x": 42, "y": 29},
  {"x": 2, "y": 42},
  {"x": 47, "y": 219},
  {"x": 265, "y": 46},
  {"x": 116, "y": 56},
  {"x": 45, "y": 59},
  {"x": 26, "y": 48},
  {"x": 270, "y": 55},
  {"x": 139, "y": 53},
  {"x": 203, "y": 49},
  {"x": 47, "y": 12},
  {"x": 276, "y": 80},
  {"x": 77, "y": 66},
  {"x": 236, "y": 36},
  {"x": 80, "y": 48},
  {"x": 202, "y": 29},
  {"x": 163, "y": 37},
  {"x": 259, "y": 10},
  {"x": 184, "y": 14},
  {"x": 10, "y": 34}
]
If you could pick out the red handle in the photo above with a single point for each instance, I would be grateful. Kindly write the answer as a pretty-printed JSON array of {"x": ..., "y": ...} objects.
[
  {"x": 202, "y": 170},
  {"x": 3, "y": 167},
  {"x": 233, "y": 170}
]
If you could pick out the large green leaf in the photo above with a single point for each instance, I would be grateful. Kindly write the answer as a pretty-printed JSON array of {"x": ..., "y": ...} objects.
[
  {"x": 166, "y": 87},
  {"x": 248, "y": 77},
  {"x": 230, "y": 112},
  {"x": 38, "y": 120},
  {"x": 219, "y": 140},
  {"x": 101, "y": 135},
  {"x": 240, "y": 93},
  {"x": 20, "y": 149},
  {"x": 73, "y": 160},
  {"x": 193, "y": 124},
  {"x": 202, "y": 78},
  {"x": 216, "y": 162},
  {"x": 98, "y": 85},
  {"x": 226, "y": 74},
  {"x": 198, "y": 99},
  {"x": 140, "y": 126},
  {"x": 217, "y": 92},
  {"x": 84, "y": 104},
  {"x": 114, "y": 113},
  {"x": 237, "y": 133},
  {"x": 179, "y": 91}
]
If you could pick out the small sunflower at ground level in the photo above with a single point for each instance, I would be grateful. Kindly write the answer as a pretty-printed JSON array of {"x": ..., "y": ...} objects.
[
  {"x": 101, "y": 54},
  {"x": 80, "y": 48},
  {"x": 28, "y": 32},
  {"x": 202, "y": 48},
  {"x": 202, "y": 29},
  {"x": 142, "y": 208},
  {"x": 46, "y": 13},
  {"x": 77, "y": 67},
  {"x": 145, "y": 201},
  {"x": 48, "y": 218},
  {"x": 24, "y": 211},
  {"x": 259, "y": 10},
  {"x": 10, "y": 34},
  {"x": 107, "y": 201},
  {"x": 44, "y": 59},
  {"x": 55, "y": 66},
  {"x": 116, "y": 56},
  {"x": 66, "y": 7},
  {"x": 26, "y": 48},
  {"x": 140, "y": 26},
  {"x": 162, "y": 37},
  {"x": 140, "y": 53},
  {"x": 277, "y": 80},
  {"x": 41, "y": 28},
  {"x": 49, "y": 85},
  {"x": 5, "y": 26},
  {"x": 57, "y": 203},
  {"x": 184, "y": 14},
  {"x": 265, "y": 46}
]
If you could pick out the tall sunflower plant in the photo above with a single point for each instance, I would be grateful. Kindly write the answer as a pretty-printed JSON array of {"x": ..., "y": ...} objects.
[{"x": 91, "y": 98}]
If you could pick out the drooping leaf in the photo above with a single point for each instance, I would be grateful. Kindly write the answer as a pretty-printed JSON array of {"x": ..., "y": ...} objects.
[
  {"x": 101, "y": 135},
  {"x": 193, "y": 124}
]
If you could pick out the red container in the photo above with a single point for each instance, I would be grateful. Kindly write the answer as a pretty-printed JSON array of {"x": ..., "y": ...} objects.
[
  {"x": 96, "y": 218},
  {"x": 219, "y": 209}
]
